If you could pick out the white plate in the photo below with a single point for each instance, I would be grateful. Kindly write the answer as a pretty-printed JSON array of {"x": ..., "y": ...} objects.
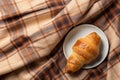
[{"x": 82, "y": 31}]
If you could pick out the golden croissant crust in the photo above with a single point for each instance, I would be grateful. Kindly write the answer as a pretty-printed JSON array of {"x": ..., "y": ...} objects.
[{"x": 85, "y": 50}]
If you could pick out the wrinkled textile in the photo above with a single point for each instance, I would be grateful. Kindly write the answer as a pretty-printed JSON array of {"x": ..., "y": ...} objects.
[{"x": 32, "y": 34}]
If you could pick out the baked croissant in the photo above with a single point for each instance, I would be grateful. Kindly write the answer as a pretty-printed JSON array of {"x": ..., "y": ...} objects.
[{"x": 85, "y": 50}]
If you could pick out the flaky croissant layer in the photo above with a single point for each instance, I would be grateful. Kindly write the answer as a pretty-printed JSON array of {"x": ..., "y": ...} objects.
[{"x": 85, "y": 50}]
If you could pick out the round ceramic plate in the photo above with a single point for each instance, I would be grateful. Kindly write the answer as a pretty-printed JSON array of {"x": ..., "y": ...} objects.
[{"x": 82, "y": 31}]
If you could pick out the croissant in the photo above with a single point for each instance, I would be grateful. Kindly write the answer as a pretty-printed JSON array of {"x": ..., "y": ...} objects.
[{"x": 84, "y": 51}]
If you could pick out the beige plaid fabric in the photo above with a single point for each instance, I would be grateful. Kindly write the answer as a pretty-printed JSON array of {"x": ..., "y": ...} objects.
[{"x": 32, "y": 33}]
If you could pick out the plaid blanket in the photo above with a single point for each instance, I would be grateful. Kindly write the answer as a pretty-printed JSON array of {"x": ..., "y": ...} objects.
[{"x": 32, "y": 34}]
